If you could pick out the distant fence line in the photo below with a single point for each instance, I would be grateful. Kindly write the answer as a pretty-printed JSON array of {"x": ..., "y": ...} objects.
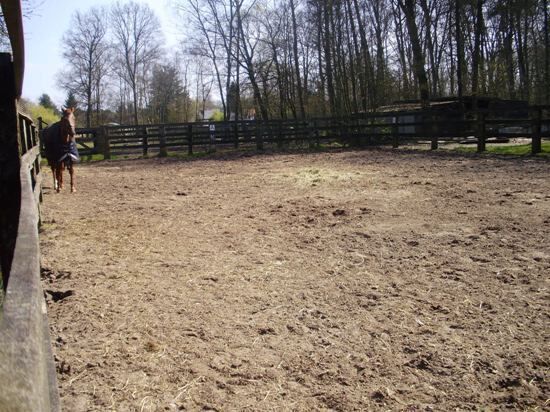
[{"x": 388, "y": 128}]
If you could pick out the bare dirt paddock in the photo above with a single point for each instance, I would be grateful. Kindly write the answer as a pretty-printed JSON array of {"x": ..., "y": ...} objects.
[{"x": 367, "y": 280}]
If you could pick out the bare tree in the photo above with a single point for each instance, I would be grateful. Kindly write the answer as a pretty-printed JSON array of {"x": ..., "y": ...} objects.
[
  {"x": 409, "y": 9},
  {"x": 85, "y": 53},
  {"x": 297, "y": 60},
  {"x": 137, "y": 42},
  {"x": 300, "y": 58},
  {"x": 29, "y": 7},
  {"x": 247, "y": 49},
  {"x": 477, "y": 51}
]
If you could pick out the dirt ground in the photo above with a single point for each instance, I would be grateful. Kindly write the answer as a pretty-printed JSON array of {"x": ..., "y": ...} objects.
[{"x": 358, "y": 280}]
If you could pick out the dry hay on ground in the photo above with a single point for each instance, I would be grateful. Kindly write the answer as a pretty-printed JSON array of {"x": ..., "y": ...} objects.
[{"x": 338, "y": 281}]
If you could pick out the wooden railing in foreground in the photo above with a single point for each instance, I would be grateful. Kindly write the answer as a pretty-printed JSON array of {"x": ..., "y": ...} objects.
[
  {"x": 27, "y": 372},
  {"x": 389, "y": 128}
]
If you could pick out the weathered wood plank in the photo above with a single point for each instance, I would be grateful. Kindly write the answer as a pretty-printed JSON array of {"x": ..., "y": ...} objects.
[
  {"x": 26, "y": 369},
  {"x": 27, "y": 160}
]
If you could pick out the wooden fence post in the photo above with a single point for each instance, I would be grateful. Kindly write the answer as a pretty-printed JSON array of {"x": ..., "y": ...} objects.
[
  {"x": 280, "y": 134},
  {"x": 310, "y": 134},
  {"x": 145, "y": 142},
  {"x": 536, "y": 131},
  {"x": 345, "y": 136},
  {"x": 212, "y": 138},
  {"x": 106, "y": 145},
  {"x": 190, "y": 139},
  {"x": 40, "y": 128},
  {"x": 162, "y": 142},
  {"x": 236, "y": 135},
  {"x": 395, "y": 133},
  {"x": 369, "y": 131},
  {"x": 433, "y": 129},
  {"x": 481, "y": 135},
  {"x": 316, "y": 133},
  {"x": 259, "y": 136},
  {"x": 23, "y": 140}
]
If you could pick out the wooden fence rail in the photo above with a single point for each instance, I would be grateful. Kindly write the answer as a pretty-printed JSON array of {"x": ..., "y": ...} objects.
[
  {"x": 27, "y": 373},
  {"x": 392, "y": 128}
]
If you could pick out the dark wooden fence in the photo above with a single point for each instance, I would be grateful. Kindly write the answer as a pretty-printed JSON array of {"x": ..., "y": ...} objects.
[
  {"x": 27, "y": 372},
  {"x": 389, "y": 128}
]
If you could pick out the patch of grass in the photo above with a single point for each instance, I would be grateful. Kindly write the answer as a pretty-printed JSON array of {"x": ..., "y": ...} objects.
[
  {"x": 331, "y": 145},
  {"x": 185, "y": 155},
  {"x": 514, "y": 150},
  {"x": 94, "y": 158},
  {"x": 83, "y": 159}
]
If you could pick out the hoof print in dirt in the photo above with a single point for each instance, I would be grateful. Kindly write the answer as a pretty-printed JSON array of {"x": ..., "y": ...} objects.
[
  {"x": 63, "y": 368},
  {"x": 419, "y": 363},
  {"x": 151, "y": 346},
  {"x": 267, "y": 331},
  {"x": 58, "y": 295},
  {"x": 60, "y": 341},
  {"x": 339, "y": 212},
  {"x": 378, "y": 396},
  {"x": 52, "y": 275}
]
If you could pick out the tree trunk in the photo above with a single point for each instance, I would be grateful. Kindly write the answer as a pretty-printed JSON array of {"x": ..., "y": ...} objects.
[
  {"x": 134, "y": 93},
  {"x": 367, "y": 63},
  {"x": 301, "y": 107},
  {"x": 434, "y": 70},
  {"x": 507, "y": 27},
  {"x": 320, "y": 46},
  {"x": 356, "y": 57},
  {"x": 546, "y": 53},
  {"x": 476, "y": 56},
  {"x": 250, "y": 68},
  {"x": 401, "y": 51},
  {"x": 408, "y": 7},
  {"x": 380, "y": 66},
  {"x": 459, "y": 52},
  {"x": 521, "y": 47},
  {"x": 212, "y": 48},
  {"x": 328, "y": 56}
]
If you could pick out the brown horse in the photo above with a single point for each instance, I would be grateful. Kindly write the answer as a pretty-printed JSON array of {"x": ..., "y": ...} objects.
[{"x": 60, "y": 148}]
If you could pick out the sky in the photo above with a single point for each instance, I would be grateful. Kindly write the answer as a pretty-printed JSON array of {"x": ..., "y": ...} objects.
[{"x": 43, "y": 33}]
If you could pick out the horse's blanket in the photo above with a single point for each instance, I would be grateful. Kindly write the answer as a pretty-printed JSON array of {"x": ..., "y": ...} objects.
[{"x": 54, "y": 148}]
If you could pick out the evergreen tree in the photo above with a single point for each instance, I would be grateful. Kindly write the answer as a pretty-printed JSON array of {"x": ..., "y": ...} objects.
[
  {"x": 46, "y": 101},
  {"x": 71, "y": 100}
]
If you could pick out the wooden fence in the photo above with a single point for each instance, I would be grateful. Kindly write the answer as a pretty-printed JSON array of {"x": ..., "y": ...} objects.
[
  {"x": 390, "y": 128},
  {"x": 27, "y": 372}
]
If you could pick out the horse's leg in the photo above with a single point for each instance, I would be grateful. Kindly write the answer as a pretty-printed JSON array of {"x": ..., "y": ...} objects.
[
  {"x": 59, "y": 173},
  {"x": 54, "y": 174},
  {"x": 71, "y": 172}
]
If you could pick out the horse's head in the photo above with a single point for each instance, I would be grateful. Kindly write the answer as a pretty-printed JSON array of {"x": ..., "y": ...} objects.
[
  {"x": 68, "y": 123},
  {"x": 67, "y": 112}
]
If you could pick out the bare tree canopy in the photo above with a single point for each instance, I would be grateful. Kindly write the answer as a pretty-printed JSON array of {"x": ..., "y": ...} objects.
[
  {"x": 30, "y": 7},
  {"x": 338, "y": 56},
  {"x": 85, "y": 51},
  {"x": 304, "y": 58},
  {"x": 137, "y": 41}
]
